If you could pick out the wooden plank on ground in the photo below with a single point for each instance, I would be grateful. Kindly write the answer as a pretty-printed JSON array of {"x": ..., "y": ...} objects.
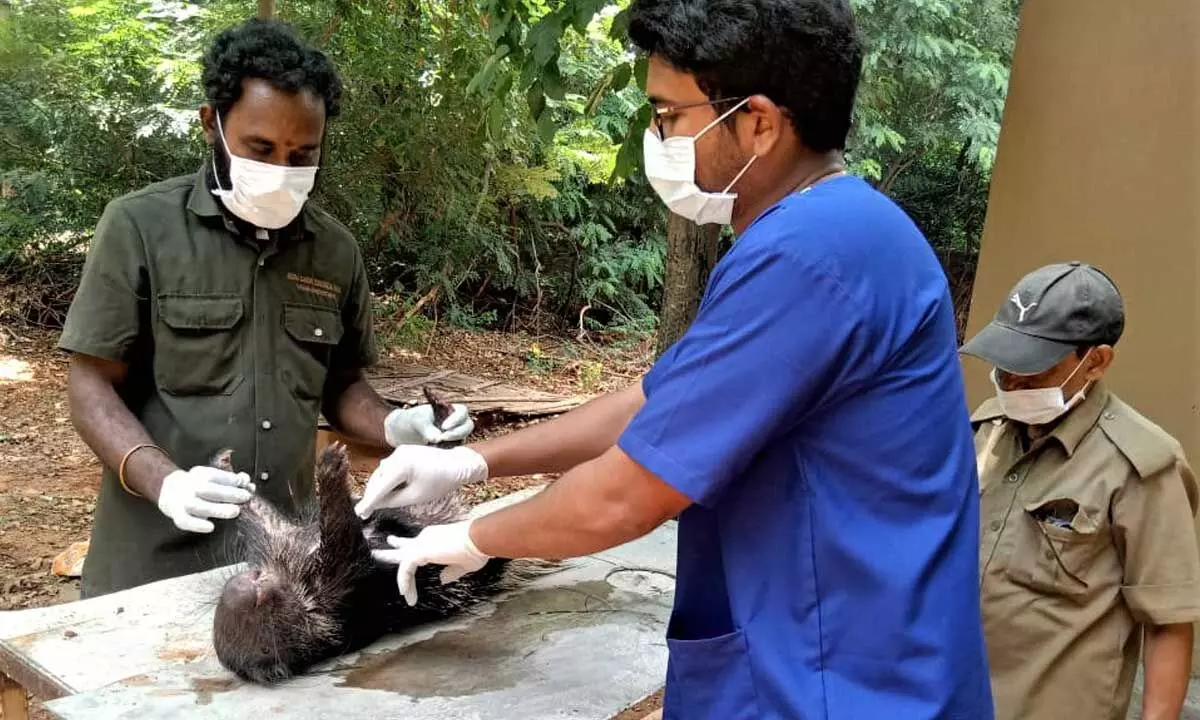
[{"x": 403, "y": 385}]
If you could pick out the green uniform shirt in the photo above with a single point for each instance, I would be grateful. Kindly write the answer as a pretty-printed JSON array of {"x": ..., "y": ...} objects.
[
  {"x": 229, "y": 340},
  {"x": 1087, "y": 535}
]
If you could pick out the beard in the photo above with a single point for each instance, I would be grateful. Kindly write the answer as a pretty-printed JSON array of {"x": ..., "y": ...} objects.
[
  {"x": 218, "y": 169},
  {"x": 722, "y": 164}
]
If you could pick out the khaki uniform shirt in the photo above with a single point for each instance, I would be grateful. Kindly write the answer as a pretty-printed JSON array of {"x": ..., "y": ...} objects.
[
  {"x": 1086, "y": 535},
  {"x": 229, "y": 341}
]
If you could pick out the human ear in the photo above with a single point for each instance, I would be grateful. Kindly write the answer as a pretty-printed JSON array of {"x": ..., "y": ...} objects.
[
  {"x": 208, "y": 123},
  {"x": 1098, "y": 362},
  {"x": 766, "y": 121}
]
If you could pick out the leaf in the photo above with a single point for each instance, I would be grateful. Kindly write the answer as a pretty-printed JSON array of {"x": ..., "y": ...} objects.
[
  {"x": 505, "y": 86},
  {"x": 536, "y": 98},
  {"x": 552, "y": 82},
  {"x": 530, "y": 72},
  {"x": 498, "y": 27},
  {"x": 497, "y": 119},
  {"x": 640, "y": 68},
  {"x": 547, "y": 127},
  {"x": 544, "y": 37},
  {"x": 621, "y": 77},
  {"x": 483, "y": 79},
  {"x": 585, "y": 10},
  {"x": 629, "y": 157},
  {"x": 620, "y": 26}
]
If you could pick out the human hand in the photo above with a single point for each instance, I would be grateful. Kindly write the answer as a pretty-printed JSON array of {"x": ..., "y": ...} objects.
[
  {"x": 448, "y": 545},
  {"x": 416, "y": 474},
  {"x": 191, "y": 497},
  {"x": 415, "y": 426}
]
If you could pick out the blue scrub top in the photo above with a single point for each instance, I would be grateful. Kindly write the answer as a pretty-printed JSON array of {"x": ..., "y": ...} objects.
[{"x": 815, "y": 415}]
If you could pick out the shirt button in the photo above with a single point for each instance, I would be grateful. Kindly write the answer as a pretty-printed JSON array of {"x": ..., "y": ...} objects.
[
  {"x": 266, "y": 425},
  {"x": 264, "y": 476},
  {"x": 1049, "y": 554},
  {"x": 1109, "y": 416},
  {"x": 262, "y": 261},
  {"x": 319, "y": 332},
  {"x": 1012, "y": 478},
  {"x": 995, "y": 525}
]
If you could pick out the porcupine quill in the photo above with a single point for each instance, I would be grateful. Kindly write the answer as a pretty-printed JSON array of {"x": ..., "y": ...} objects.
[{"x": 313, "y": 591}]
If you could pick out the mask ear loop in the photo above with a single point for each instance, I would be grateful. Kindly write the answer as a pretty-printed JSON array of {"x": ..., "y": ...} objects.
[
  {"x": 739, "y": 175},
  {"x": 1081, "y": 362},
  {"x": 1082, "y": 391},
  {"x": 712, "y": 125},
  {"x": 719, "y": 120},
  {"x": 225, "y": 145}
]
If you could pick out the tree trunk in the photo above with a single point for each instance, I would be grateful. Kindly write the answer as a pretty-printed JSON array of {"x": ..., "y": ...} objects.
[
  {"x": 266, "y": 8},
  {"x": 691, "y": 255}
]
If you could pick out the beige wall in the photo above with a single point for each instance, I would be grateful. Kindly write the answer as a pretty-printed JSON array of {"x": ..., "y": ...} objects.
[{"x": 1099, "y": 161}]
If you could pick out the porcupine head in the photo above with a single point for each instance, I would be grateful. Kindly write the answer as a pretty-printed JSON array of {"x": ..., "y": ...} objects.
[{"x": 283, "y": 613}]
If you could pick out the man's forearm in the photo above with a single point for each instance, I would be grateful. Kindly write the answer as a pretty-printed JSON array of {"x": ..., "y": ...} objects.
[
  {"x": 111, "y": 430},
  {"x": 356, "y": 411},
  {"x": 566, "y": 441},
  {"x": 598, "y": 505},
  {"x": 1168, "y": 662}
]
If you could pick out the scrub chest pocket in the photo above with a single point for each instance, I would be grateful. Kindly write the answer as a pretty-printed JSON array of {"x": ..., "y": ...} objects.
[
  {"x": 197, "y": 349},
  {"x": 313, "y": 334}
]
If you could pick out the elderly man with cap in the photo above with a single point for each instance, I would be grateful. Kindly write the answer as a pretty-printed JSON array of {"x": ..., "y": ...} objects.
[{"x": 1087, "y": 508}]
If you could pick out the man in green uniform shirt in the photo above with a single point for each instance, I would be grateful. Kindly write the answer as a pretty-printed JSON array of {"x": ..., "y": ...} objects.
[
  {"x": 224, "y": 310},
  {"x": 1088, "y": 541}
]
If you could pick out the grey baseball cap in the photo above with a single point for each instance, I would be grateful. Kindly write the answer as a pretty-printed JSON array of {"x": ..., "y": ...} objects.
[{"x": 1047, "y": 315}]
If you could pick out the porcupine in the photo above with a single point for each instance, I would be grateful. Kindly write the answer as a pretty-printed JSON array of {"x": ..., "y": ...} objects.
[{"x": 313, "y": 591}]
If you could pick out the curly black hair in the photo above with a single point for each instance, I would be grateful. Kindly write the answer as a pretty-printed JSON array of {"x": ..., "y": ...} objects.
[
  {"x": 269, "y": 50},
  {"x": 806, "y": 55}
]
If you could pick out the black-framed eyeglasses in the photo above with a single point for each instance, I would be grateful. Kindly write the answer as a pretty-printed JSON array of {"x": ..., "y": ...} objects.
[{"x": 658, "y": 113}]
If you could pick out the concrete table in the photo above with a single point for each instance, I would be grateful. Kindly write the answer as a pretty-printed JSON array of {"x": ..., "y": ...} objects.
[{"x": 583, "y": 642}]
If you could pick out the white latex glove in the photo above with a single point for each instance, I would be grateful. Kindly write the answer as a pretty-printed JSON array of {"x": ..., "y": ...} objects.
[
  {"x": 416, "y": 474},
  {"x": 448, "y": 545},
  {"x": 191, "y": 497},
  {"x": 415, "y": 426}
]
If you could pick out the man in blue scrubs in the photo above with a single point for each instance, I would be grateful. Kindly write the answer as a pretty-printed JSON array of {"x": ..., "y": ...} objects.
[{"x": 810, "y": 430}]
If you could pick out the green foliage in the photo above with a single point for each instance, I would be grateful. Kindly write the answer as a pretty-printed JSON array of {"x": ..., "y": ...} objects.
[
  {"x": 487, "y": 148},
  {"x": 436, "y": 163},
  {"x": 936, "y": 72},
  {"x": 935, "y": 79},
  {"x": 95, "y": 101}
]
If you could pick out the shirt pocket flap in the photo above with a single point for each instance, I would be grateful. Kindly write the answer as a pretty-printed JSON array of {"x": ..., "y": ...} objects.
[
  {"x": 1064, "y": 519},
  {"x": 310, "y": 324},
  {"x": 1058, "y": 545},
  {"x": 200, "y": 312}
]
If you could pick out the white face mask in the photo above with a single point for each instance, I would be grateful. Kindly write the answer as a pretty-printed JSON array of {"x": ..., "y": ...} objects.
[
  {"x": 1038, "y": 406},
  {"x": 264, "y": 195},
  {"x": 671, "y": 170}
]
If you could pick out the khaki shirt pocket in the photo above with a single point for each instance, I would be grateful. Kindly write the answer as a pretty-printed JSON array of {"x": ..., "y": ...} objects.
[
  {"x": 197, "y": 349},
  {"x": 1055, "y": 557},
  {"x": 314, "y": 334}
]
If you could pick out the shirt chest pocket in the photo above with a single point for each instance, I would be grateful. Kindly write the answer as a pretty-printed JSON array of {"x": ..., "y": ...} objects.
[
  {"x": 312, "y": 335},
  {"x": 197, "y": 350},
  {"x": 1059, "y": 549}
]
